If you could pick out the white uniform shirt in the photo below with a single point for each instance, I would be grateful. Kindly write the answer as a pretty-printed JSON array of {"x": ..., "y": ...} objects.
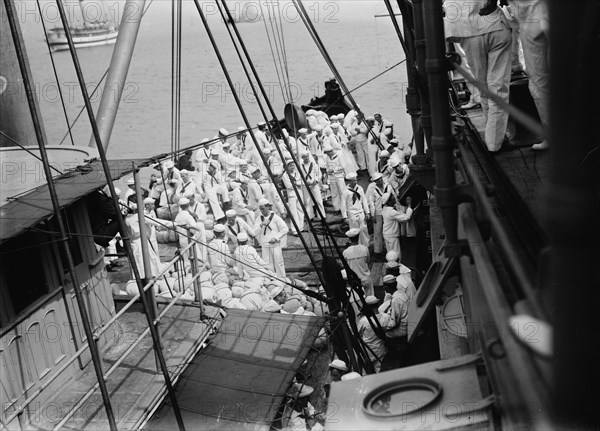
[
  {"x": 354, "y": 202},
  {"x": 357, "y": 257},
  {"x": 275, "y": 229},
  {"x": 398, "y": 324},
  {"x": 247, "y": 259},
  {"x": 374, "y": 195},
  {"x": 219, "y": 255},
  {"x": 392, "y": 220}
]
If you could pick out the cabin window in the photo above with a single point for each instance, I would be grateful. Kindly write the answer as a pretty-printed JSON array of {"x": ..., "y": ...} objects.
[
  {"x": 22, "y": 269},
  {"x": 73, "y": 241}
]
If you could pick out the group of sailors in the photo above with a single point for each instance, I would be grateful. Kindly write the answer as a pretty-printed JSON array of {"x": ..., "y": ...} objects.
[{"x": 224, "y": 198}]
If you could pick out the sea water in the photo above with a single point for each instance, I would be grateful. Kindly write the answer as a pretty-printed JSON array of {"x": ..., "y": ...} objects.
[{"x": 361, "y": 46}]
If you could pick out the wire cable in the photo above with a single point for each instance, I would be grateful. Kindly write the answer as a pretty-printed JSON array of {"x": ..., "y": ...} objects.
[{"x": 62, "y": 100}]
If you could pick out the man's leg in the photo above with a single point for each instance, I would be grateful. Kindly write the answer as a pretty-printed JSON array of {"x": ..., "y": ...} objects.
[{"x": 378, "y": 234}]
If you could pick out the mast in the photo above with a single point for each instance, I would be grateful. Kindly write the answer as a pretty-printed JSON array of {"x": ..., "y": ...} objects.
[{"x": 118, "y": 69}]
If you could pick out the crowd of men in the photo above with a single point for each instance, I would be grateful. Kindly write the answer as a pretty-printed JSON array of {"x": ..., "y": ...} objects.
[{"x": 225, "y": 199}]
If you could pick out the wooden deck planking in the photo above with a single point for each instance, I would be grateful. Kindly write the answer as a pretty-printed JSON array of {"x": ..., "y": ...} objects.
[{"x": 135, "y": 387}]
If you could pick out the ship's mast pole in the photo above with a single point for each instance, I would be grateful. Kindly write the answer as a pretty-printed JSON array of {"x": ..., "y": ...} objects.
[
  {"x": 446, "y": 190},
  {"x": 122, "y": 226},
  {"x": 420, "y": 54},
  {"x": 41, "y": 140},
  {"x": 117, "y": 71}
]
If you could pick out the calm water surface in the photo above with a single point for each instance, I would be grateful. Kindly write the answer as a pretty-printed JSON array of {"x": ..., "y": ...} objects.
[{"x": 360, "y": 44}]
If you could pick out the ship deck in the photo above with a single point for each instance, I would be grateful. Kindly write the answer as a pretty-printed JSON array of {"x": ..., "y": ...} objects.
[{"x": 136, "y": 388}]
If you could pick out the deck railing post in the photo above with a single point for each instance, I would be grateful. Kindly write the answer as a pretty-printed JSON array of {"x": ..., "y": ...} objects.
[
  {"x": 194, "y": 266},
  {"x": 145, "y": 241}
]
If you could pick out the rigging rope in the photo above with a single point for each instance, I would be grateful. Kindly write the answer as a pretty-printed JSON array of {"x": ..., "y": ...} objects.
[
  {"x": 279, "y": 78},
  {"x": 62, "y": 100},
  {"x": 247, "y": 123},
  {"x": 315, "y": 36},
  {"x": 278, "y": 149},
  {"x": 70, "y": 127}
]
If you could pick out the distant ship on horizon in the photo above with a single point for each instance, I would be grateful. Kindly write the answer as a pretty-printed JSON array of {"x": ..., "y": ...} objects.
[{"x": 91, "y": 33}]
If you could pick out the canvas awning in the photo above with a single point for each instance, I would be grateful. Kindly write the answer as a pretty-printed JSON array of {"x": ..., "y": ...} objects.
[
  {"x": 29, "y": 209},
  {"x": 240, "y": 379}
]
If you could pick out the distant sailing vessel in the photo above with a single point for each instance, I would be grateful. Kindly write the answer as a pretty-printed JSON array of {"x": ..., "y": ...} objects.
[{"x": 91, "y": 33}]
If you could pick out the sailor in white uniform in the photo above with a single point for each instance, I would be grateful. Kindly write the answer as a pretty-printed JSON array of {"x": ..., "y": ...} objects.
[
  {"x": 357, "y": 256},
  {"x": 249, "y": 263},
  {"x": 234, "y": 226},
  {"x": 336, "y": 174},
  {"x": 391, "y": 223},
  {"x": 312, "y": 174},
  {"x": 219, "y": 255},
  {"x": 355, "y": 208},
  {"x": 215, "y": 187},
  {"x": 271, "y": 232},
  {"x": 374, "y": 193},
  {"x": 290, "y": 179}
]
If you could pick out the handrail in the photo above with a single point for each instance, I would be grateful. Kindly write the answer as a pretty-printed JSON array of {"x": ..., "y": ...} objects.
[
  {"x": 97, "y": 334},
  {"x": 118, "y": 362}
]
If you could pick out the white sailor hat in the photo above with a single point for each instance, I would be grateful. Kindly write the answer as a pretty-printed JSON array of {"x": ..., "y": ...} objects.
[
  {"x": 385, "y": 198},
  {"x": 376, "y": 176},
  {"x": 371, "y": 300},
  {"x": 394, "y": 163},
  {"x": 272, "y": 307},
  {"x": 392, "y": 256},
  {"x": 261, "y": 123},
  {"x": 394, "y": 141},
  {"x": 387, "y": 123},
  {"x": 276, "y": 290},
  {"x": 230, "y": 213},
  {"x": 183, "y": 201},
  {"x": 317, "y": 128},
  {"x": 219, "y": 228},
  {"x": 351, "y": 176},
  {"x": 352, "y": 233},
  {"x": 404, "y": 269},
  {"x": 311, "y": 112},
  {"x": 243, "y": 162},
  {"x": 263, "y": 202},
  {"x": 338, "y": 364},
  {"x": 335, "y": 125},
  {"x": 304, "y": 152},
  {"x": 241, "y": 129},
  {"x": 267, "y": 151},
  {"x": 289, "y": 162},
  {"x": 327, "y": 147},
  {"x": 225, "y": 145},
  {"x": 333, "y": 117},
  {"x": 389, "y": 279},
  {"x": 303, "y": 130},
  {"x": 341, "y": 116},
  {"x": 169, "y": 164},
  {"x": 242, "y": 236},
  {"x": 350, "y": 376},
  {"x": 223, "y": 132},
  {"x": 392, "y": 264},
  {"x": 370, "y": 118},
  {"x": 148, "y": 201},
  {"x": 384, "y": 153},
  {"x": 214, "y": 163},
  {"x": 301, "y": 390},
  {"x": 130, "y": 182},
  {"x": 188, "y": 194}
]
